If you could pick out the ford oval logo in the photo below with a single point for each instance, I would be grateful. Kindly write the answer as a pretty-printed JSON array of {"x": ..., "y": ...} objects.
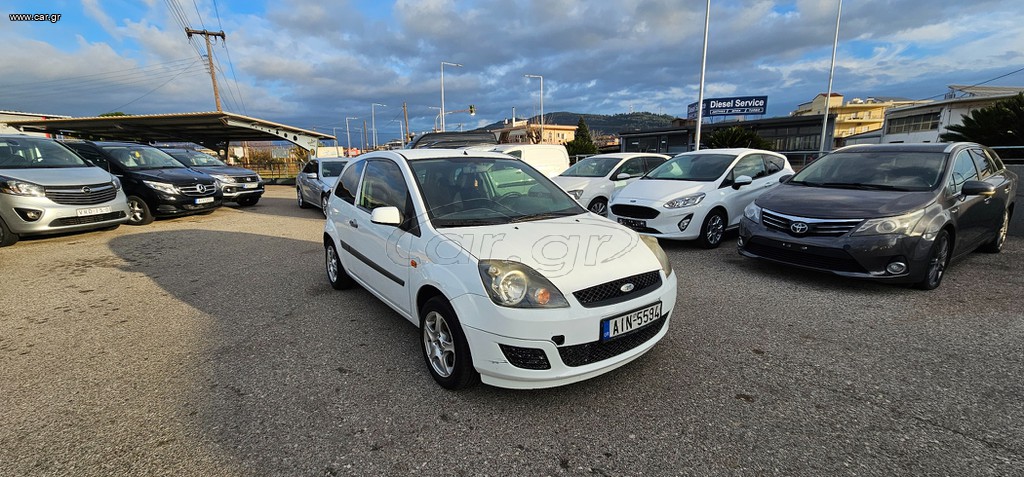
[
  {"x": 627, "y": 288},
  {"x": 799, "y": 228}
]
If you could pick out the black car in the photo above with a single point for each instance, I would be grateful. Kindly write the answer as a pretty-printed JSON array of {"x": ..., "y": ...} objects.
[
  {"x": 238, "y": 184},
  {"x": 157, "y": 185},
  {"x": 895, "y": 212},
  {"x": 452, "y": 140}
]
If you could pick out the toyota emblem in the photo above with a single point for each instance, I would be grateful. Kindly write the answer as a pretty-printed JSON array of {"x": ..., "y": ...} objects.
[
  {"x": 627, "y": 288},
  {"x": 799, "y": 228}
]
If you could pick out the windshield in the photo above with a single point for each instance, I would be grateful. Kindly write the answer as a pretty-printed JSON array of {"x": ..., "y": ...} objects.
[
  {"x": 137, "y": 157},
  {"x": 36, "y": 153},
  {"x": 889, "y": 170},
  {"x": 593, "y": 166},
  {"x": 196, "y": 158},
  {"x": 471, "y": 191},
  {"x": 331, "y": 168},
  {"x": 692, "y": 167}
]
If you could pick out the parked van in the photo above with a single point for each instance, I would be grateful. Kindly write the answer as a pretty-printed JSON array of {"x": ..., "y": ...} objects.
[{"x": 550, "y": 159}]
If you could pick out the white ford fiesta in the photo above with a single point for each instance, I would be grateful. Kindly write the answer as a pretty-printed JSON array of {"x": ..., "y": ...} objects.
[
  {"x": 509, "y": 279},
  {"x": 698, "y": 195}
]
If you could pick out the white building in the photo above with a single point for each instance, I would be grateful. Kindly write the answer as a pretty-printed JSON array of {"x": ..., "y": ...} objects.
[
  {"x": 6, "y": 116},
  {"x": 926, "y": 122}
]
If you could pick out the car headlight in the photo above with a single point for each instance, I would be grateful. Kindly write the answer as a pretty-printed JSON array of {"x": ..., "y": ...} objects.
[
  {"x": 752, "y": 212},
  {"x": 223, "y": 178},
  {"x": 259, "y": 178},
  {"x": 16, "y": 187},
  {"x": 514, "y": 284},
  {"x": 117, "y": 182},
  {"x": 576, "y": 194},
  {"x": 162, "y": 187},
  {"x": 652, "y": 243},
  {"x": 684, "y": 201},
  {"x": 900, "y": 225}
]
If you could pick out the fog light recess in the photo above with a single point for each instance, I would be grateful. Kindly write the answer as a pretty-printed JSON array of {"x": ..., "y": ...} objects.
[
  {"x": 29, "y": 215},
  {"x": 896, "y": 268},
  {"x": 685, "y": 222}
]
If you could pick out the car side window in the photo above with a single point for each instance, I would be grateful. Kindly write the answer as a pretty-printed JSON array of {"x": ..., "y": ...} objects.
[
  {"x": 652, "y": 162},
  {"x": 92, "y": 156},
  {"x": 963, "y": 171},
  {"x": 984, "y": 164},
  {"x": 773, "y": 164},
  {"x": 751, "y": 165},
  {"x": 633, "y": 167},
  {"x": 310, "y": 167},
  {"x": 349, "y": 181},
  {"x": 383, "y": 186}
]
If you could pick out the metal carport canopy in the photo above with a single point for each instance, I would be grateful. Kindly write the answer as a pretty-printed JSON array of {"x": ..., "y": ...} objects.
[{"x": 214, "y": 130}]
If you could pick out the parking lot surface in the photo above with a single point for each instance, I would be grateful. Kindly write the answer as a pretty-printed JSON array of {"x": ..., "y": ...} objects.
[{"x": 213, "y": 345}]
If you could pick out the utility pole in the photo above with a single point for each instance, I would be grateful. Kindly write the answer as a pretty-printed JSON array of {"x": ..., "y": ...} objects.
[
  {"x": 405, "y": 136},
  {"x": 209, "y": 57},
  {"x": 365, "y": 140}
]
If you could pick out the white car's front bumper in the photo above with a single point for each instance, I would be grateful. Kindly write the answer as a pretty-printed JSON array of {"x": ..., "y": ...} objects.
[{"x": 666, "y": 224}]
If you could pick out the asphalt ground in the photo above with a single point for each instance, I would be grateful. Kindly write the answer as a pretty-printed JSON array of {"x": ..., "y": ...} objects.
[{"x": 213, "y": 345}]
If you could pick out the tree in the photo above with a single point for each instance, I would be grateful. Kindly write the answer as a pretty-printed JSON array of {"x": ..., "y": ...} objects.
[
  {"x": 582, "y": 143},
  {"x": 115, "y": 113},
  {"x": 999, "y": 124},
  {"x": 734, "y": 136}
]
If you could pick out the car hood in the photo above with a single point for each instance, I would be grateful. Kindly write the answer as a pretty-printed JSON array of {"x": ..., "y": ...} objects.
[
  {"x": 63, "y": 176},
  {"x": 574, "y": 183},
  {"x": 226, "y": 170},
  {"x": 573, "y": 252},
  {"x": 660, "y": 190},
  {"x": 177, "y": 175},
  {"x": 834, "y": 203}
]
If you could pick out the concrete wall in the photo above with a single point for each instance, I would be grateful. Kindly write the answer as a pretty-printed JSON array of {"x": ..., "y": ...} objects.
[{"x": 1017, "y": 222}]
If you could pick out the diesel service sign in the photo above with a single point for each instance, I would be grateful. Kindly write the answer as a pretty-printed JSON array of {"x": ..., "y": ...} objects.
[{"x": 730, "y": 106}]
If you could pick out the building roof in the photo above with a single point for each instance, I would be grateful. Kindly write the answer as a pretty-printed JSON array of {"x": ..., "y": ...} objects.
[
  {"x": 22, "y": 113},
  {"x": 210, "y": 129},
  {"x": 984, "y": 91}
]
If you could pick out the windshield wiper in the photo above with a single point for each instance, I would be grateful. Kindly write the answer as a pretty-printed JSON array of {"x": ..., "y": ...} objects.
[
  {"x": 540, "y": 216},
  {"x": 859, "y": 185}
]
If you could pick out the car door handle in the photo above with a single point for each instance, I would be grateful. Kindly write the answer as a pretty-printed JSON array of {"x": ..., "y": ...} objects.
[
  {"x": 954, "y": 210},
  {"x": 352, "y": 223},
  {"x": 769, "y": 184}
]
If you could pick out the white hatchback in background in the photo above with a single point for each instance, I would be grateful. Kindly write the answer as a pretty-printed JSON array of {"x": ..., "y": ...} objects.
[
  {"x": 698, "y": 195},
  {"x": 508, "y": 278},
  {"x": 593, "y": 181}
]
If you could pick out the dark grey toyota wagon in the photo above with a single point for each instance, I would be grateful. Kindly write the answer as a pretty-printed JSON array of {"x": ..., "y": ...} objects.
[{"x": 895, "y": 212}]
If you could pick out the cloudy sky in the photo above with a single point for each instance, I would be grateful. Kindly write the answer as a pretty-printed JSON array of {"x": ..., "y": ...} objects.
[{"x": 312, "y": 63}]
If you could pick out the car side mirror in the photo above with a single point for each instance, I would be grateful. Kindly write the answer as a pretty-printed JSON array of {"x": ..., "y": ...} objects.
[
  {"x": 785, "y": 178},
  {"x": 978, "y": 188},
  {"x": 622, "y": 176},
  {"x": 386, "y": 216},
  {"x": 741, "y": 181},
  {"x": 312, "y": 175}
]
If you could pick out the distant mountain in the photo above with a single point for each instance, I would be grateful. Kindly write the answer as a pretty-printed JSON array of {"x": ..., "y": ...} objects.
[{"x": 603, "y": 123}]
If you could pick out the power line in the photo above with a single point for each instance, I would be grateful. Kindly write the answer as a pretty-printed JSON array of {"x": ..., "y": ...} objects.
[
  {"x": 154, "y": 89},
  {"x": 104, "y": 75},
  {"x": 102, "y": 84},
  {"x": 978, "y": 84},
  {"x": 231, "y": 64}
]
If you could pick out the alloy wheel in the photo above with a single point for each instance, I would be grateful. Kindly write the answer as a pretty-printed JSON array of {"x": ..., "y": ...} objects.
[
  {"x": 937, "y": 265},
  {"x": 716, "y": 227},
  {"x": 439, "y": 343},
  {"x": 599, "y": 207},
  {"x": 332, "y": 264},
  {"x": 135, "y": 211}
]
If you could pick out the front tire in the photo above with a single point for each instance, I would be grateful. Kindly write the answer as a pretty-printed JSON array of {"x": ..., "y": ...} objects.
[
  {"x": 7, "y": 237},
  {"x": 996, "y": 245},
  {"x": 248, "y": 201},
  {"x": 302, "y": 202},
  {"x": 712, "y": 230},
  {"x": 599, "y": 206},
  {"x": 323, "y": 204},
  {"x": 938, "y": 260},
  {"x": 444, "y": 346},
  {"x": 336, "y": 273},
  {"x": 138, "y": 211}
]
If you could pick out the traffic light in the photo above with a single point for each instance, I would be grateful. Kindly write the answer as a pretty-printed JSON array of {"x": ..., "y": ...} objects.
[{"x": 472, "y": 110}]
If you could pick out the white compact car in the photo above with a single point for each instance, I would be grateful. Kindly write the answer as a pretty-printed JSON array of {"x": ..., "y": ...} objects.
[
  {"x": 698, "y": 195},
  {"x": 593, "y": 181},
  {"x": 509, "y": 279}
]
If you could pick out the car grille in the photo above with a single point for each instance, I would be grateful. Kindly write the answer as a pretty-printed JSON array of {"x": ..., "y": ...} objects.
[
  {"x": 634, "y": 211},
  {"x": 526, "y": 358},
  {"x": 89, "y": 219},
  {"x": 194, "y": 191},
  {"x": 611, "y": 292},
  {"x": 586, "y": 353},
  {"x": 82, "y": 195},
  {"x": 815, "y": 227},
  {"x": 817, "y": 257},
  {"x": 247, "y": 178}
]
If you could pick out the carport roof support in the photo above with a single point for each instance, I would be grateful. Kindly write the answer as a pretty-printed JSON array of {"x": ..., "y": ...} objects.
[{"x": 208, "y": 129}]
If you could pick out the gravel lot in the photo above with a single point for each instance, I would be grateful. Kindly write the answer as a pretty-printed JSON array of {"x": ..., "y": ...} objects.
[{"x": 213, "y": 345}]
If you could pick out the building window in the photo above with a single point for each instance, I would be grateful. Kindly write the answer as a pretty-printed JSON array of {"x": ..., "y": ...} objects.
[{"x": 909, "y": 124}]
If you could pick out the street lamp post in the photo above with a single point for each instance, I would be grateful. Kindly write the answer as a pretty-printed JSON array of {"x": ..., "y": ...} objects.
[
  {"x": 373, "y": 122},
  {"x": 541, "y": 104},
  {"x": 442, "y": 89},
  {"x": 348, "y": 137},
  {"x": 703, "y": 66}
]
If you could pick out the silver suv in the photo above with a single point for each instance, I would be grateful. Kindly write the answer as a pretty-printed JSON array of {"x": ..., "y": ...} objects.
[{"x": 45, "y": 188}]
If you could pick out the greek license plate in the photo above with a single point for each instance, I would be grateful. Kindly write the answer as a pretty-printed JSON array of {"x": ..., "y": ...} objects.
[
  {"x": 633, "y": 224},
  {"x": 204, "y": 200},
  {"x": 93, "y": 211},
  {"x": 250, "y": 185},
  {"x": 634, "y": 320}
]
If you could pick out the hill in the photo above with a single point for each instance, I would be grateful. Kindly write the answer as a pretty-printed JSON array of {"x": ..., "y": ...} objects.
[{"x": 603, "y": 123}]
